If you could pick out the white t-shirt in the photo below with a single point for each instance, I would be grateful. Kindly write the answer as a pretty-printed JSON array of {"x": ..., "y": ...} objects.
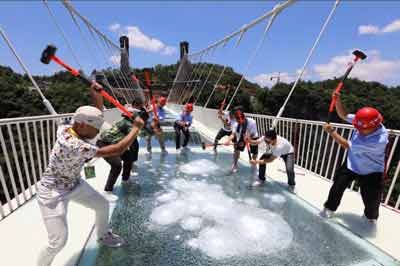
[
  {"x": 66, "y": 161},
  {"x": 282, "y": 147},
  {"x": 228, "y": 123},
  {"x": 251, "y": 129}
]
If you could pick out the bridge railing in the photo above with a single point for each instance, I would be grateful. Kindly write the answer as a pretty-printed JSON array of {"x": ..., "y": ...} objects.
[
  {"x": 317, "y": 152},
  {"x": 26, "y": 144},
  {"x": 25, "y": 147}
]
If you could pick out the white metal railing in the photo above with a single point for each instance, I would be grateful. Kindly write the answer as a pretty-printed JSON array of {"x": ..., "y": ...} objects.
[
  {"x": 26, "y": 143},
  {"x": 25, "y": 146},
  {"x": 317, "y": 152}
]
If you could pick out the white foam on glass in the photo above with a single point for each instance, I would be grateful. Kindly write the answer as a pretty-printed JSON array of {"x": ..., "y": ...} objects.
[
  {"x": 199, "y": 167},
  {"x": 222, "y": 226}
]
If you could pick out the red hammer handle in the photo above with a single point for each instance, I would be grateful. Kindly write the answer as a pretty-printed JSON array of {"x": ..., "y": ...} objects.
[
  {"x": 116, "y": 103},
  {"x": 339, "y": 87},
  {"x": 334, "y": 96},
  {"x": 76, "y": 73},
  {"x": 70, "y": 69},
  {"x": 153, "y": 100}
]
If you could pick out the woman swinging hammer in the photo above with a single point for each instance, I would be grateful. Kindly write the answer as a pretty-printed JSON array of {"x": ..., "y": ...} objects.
[{"x": 365, "y": 161}]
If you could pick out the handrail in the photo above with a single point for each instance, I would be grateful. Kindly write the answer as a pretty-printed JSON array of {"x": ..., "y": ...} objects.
[{"x": 26, "y": 142}]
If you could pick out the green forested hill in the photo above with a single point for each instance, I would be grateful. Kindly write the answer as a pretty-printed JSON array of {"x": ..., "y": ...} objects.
[{"x": 309, "y": 101}]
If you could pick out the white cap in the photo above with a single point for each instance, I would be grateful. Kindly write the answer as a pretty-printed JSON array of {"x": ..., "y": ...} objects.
[{"x": 89, "y": 115}]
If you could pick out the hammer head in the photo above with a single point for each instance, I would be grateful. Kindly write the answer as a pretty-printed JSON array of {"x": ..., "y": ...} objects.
[
  {"x": 359, "y": 54},
  {"x": 48, "y": 53}
]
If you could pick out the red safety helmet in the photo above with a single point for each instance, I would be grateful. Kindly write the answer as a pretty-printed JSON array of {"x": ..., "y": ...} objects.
[
  {"x": 189, "y": 107},
  {"x": 162, "y": 101},
  {"x": 367, "y": 117}
]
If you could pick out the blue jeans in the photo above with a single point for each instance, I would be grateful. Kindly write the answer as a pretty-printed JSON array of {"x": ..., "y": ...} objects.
[{"x": 289, "y": 162}]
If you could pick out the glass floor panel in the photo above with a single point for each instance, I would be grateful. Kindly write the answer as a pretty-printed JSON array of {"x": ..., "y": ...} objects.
[{"x": 188, "y": 209}]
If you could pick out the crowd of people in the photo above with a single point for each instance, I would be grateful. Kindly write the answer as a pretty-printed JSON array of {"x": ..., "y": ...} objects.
[{"x": 61, "y": 182}]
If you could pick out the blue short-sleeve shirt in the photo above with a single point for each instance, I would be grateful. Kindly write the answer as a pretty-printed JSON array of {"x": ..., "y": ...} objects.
[{"x": 366, "y": 154}]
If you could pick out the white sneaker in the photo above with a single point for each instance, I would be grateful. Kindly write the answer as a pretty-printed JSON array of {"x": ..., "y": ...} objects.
[
  {"x": 134, "y": 170},
  {"x": 129, "y": 181},
  {"x": 258, "y": 183},
  {"x": 372, "y": 221},
  {"x": 111, "y": 240},
  {"x": 234, "y": 169},
  {"x": 291, "y": 189},
  {"x": 186, "y": 148},
  {"x": 326, "y": 213},
  {"x": 148, "y": 149},
  {"x": 110, "y": 196},
  {"x": 164, "y": 151}
]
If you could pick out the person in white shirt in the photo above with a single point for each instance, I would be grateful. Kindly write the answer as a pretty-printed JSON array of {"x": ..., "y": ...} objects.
[
  {"x": 226, "y": 130},
  {"x": 277, "y": 147},
  {"x": 242, "y": 129}
]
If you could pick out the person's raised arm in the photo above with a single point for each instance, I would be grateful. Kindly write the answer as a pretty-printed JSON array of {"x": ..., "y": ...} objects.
[
  {"x": 339, "y": 139},
  {"x": 122, "y": 145},
  {"x": 96, "y": 96},
  {"x": 340, "y": 109}
]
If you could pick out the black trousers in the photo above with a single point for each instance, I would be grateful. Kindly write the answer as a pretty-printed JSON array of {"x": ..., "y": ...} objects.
[
  {"x": 241, "y": 145},
  {"x": 221, "y": 133},
  {"x": 371, "y": 186},
  {"x": 289, "y": 163},
  {"x": 186, "y": 134},
  {"x": 128, "y": 157}
]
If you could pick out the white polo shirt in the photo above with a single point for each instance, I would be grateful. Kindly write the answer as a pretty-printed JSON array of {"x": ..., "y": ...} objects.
[
  {"x": 282, "y": 147},
  {"x": 251, "y": 129},
  {"x": 228, "y": 125}
]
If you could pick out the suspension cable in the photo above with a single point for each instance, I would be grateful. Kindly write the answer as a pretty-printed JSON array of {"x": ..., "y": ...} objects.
[
  {"x": 246, "y": 27},
  {"x": 181, "y": 93},
  {"x": 46, "y": 102},
  {"x": 203, "y": 68},
  {"x": 70, "y": 7},
  {"x": 62, "y": 33},
  {"x": 222, "y": 72},
  {"x": 260, "y": 43},
  {"x": 328, "y": 19},
  {"x": 88, "y": 48},
  {"x": 180, "y": 67},
  {"x": 207, "y": 77}
]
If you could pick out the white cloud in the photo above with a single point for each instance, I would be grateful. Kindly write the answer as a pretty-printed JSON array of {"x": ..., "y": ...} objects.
[
  {"x": 368, "y": 29},
  {"x": 169, "y": 50},
  {"x": 374, "y": 68},
  {"x": 392, "y": 27},
  {"x": 115, "y": 59},
  {"x": 269, "y": 79},
  {"x": 115, "y": 27},
  {"x": 138, "y": 39},
  {"x": 373, "y": 29}
]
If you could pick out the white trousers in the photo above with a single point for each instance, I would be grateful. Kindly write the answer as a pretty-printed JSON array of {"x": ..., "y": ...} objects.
[{"x": 54, "y": 213}]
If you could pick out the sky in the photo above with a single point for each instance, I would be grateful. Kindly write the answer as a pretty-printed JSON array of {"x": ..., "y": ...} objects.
[{"x": 156, "y": 28}]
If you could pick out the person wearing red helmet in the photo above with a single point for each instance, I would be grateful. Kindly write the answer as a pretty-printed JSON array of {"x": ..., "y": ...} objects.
[
  {"x": 182, "y": 124},
  {"x": 365, "y": 161},
  {"x": 153, "y": 126}
]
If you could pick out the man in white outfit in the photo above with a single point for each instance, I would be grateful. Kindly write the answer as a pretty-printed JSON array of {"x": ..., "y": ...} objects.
[
  {"x": 277, "y": 147},
  {"x": 243, "y": 128},
  {"x": 62, "y": 182}
]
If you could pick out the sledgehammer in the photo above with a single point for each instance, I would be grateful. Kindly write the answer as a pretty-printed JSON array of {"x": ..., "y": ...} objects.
[
  {"x": 49, "y": 54},
  {"x": 358, "y": 55}
]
